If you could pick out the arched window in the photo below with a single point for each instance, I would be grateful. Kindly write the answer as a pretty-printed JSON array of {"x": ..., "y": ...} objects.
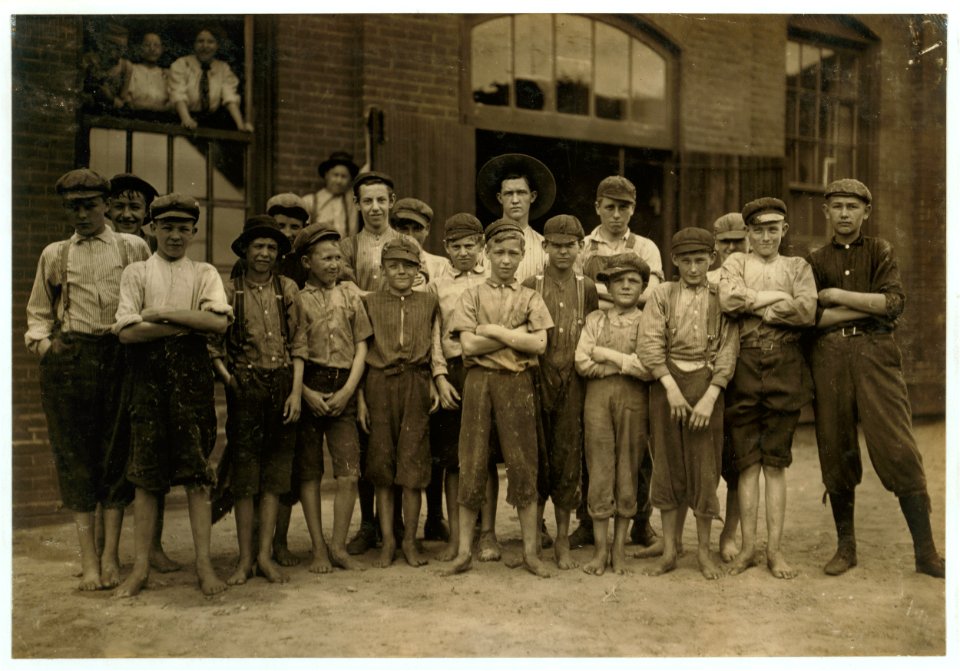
[{"x": 570, "y": 76}]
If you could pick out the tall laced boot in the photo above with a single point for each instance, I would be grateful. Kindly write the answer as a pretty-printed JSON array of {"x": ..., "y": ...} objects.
[
  {"x": 845, "y": 558},
  {"x": 916, "y": 510}
]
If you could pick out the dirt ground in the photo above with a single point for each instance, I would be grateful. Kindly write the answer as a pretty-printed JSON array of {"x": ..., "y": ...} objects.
[{"x": 880, "y": 608}]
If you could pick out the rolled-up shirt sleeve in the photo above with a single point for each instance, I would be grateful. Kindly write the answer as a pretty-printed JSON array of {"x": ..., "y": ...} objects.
[
  {"x": 41, "y": 310},
  {"x": 735, "y": 297},
  {"x": 211, "y": 296},
  {"x": 582, "y": 360},
  {"x": 228, "y": 84},
  {"x": 801, "y": 310},
  {"x": 652, "y": 342},
  {"x": 131, "y": 297},
  {"x": 886, "y": 278},
  {"x": 726, "y": 362}
]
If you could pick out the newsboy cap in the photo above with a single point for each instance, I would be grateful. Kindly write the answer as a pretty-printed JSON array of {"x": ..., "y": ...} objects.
[
  {"x": 849, "y": 187},
  {"x": 764, "y": 211},
  {"x": 412, "y": 209},
  {"x": 563, "y": 227},
  {"x": 260, "y": 226},
  {"x": 624, "y": 262},
  {"x": 402, "y": 248},
  {"x": 371, "y": 177},
  {"x": 691, "y": 239},
  {"x": 82, "y": 183},
  {"x": 461, "y": 225},
  {"x": 502, "y": 226},
  {"x": 618, "y": 188},
  {"x": 288, "y": 204},
  {"x": 175, "y": 206},
  {"x": 309, "y": 236},
  {"x": 730, "y": 227}
]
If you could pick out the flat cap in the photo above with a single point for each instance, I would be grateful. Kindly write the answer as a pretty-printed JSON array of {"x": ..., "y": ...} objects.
[
  {"x": 503, "y": 225},
  {"x": 461, "y": 225},
  {"x": 413, "y": 209},
  {"x": 311, "y": 235},
  {"x": 491, "y": 175},
  {"x": 371, "y": 177},
  {"x": 175, "y": 206},
  {"x": 730, "y": 227},
  {"x": 624, "y": 262},
  {"x": 849, "y": 187},
  {"x": 260, "y": 226},
  {"x": 764, "y": 211},
  {"x": 126, "y": 181},
  {"x": 82, "y": 183},
  {"x": 402, "y": 248},
  {"x": 618, "y": 188},
  {"x": 288, "y": 204},
  {"x": 563, "y": 227},
  {"x": 691, "y": 239}
]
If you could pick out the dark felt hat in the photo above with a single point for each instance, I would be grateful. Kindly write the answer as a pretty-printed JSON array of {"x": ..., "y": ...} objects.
[
  {"x": 730, "y": 227},
  {"x": 461, "y": 225},
  {"x": 371, "y": 176},
  {"x": 502, "y": 226},
  {"x": 498, "y": 168},
  {"x": 175, "y": 206},
  {"x": 82, "y": 183},
  {"x": 403, "y": 248},
  {"x": 289, "y": 204},
  {"x": 618, "y": 188},
  {"x": 764, "y": 211},
  {"x": 311, "y": 235},
  {"x": 624, "y": 262},
  {"x": 260, "y": 226},
  {"x": 691, "y": 239},
  {"x": 563, "y": 228},
  {"x": 413, "y": 209},
  {"x": 849, "y": 187},
  {"x": 339, "y": 158}
]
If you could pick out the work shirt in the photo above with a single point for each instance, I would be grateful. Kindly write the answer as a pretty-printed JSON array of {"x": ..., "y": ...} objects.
[
  {"x": 743, "y": 275},
  {"x": 614, "y": 330},
  {"x": 562, "y": 300},
  {"x": 433, "y": 265},
  {"x": 510, "y": 305},
  {"x": 91, "y": 282},
  {"x": 406, "y": 331},
  {"x": 534, "y": 257},
  {"x": 183, "y": 83},
  {"x": 447, "y": 287},
  {"x": 687, "y": 342},
  {"x": 334, "y": 322},
  {"x": 361, "y": 257},
  {"x": 338, "y": 212},
  {"x": 866, "y": 265},
  {"x": 594, "y": 244}
]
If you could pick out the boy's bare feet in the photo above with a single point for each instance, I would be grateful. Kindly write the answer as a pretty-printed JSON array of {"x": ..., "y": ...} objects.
[
  {"x": 387, "y": 552},
  {"x": 210, "y": 582},
  {"x": 490, "y": 549},
  {"x": 283, "y": 556},
  {"x": 779, "y": 567},
  {"x": 109, "y": 573},
  {"x": 655, "y": 549},
  {"x": 535, "y": 566},
  {"x": 618, "y": 562},
  {"x": 728, "y": 548},
  {"x": 597, "y": 565},
  {"x": 342, "y": 559},
  {"x": 411, "y": 553},
  {"x": 241, "y": 574},
  {"x": 321, "y": 561},
  {"x": 448, "y": 553},
  {"x": 744, "y": 560},
  {"x": 90, "y": 578},
  {"x": 461, "y": 564},
  {"x": 270, "y": 570},
  {"x": 135, "y": 582},
  {"x": 667, "y": 563},
  {"x": 561, "y": 551},
  {"x": 161, "y": 563},
  {"x": 709, "y": 568}
]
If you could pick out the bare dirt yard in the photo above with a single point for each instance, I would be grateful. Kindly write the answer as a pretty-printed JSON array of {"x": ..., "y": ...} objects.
[{"x": 880, "y": 608}]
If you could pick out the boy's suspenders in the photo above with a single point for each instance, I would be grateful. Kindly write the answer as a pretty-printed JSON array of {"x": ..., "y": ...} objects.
[
  {"x": 63, "y": 289},
  {"x": 281, "y": 309},
  {"x": 713, "y": 321},
  {"x": 538, "y": 285},
  {"x": 238, "y": 328}
]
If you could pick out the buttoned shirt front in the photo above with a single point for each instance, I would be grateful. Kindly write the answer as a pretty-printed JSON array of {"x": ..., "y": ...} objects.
[
  {"x": 335, "y": 320},
  {"x": 562, "y": 300},
  {"x": 361, "y": 256},
  {"x": 406, "y": 331}
]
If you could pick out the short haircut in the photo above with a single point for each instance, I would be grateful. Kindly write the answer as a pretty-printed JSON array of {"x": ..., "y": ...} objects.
[
  {"x": 476, "y": 237},
  {"x": 507, "y": 235},
  {"x": 513, "y": 174},
  {"x": 370, "y": 181},
  {"x": 644, "y": 273}
]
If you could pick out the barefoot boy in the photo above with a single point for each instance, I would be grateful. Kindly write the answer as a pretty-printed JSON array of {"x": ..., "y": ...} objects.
[
  {"x": 168, "y": 305},
  {"x": 69, "y": 316},
  {"x": 261, "y": 365},
  {"x": 615, "y": 407},
  {"x": 337, "y": 329},
  {"x": 775, "y": 298},
  {"x": 569, "y": 297},
  {"x": 502, "y": 328},
  {"x": 856, "y": 372},
  {"x": 691, "y": 348},
  {"x": 403, "y": 358}
]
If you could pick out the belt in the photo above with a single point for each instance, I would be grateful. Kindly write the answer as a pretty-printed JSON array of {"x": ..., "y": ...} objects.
[
  {"x": 401, "y": 367},
  {"x": 855, "y": 331}
]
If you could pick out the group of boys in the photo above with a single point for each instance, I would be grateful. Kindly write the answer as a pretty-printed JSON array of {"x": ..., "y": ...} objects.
[{"x": 567, "y": 358}]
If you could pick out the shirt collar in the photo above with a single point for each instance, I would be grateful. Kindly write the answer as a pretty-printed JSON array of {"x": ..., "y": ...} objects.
[
  {"x": 512, "y": 284},
  {"x": 843, "y": 245},
  {"x": 106, "y": 235},
  {"x": 695, "y": 289}
]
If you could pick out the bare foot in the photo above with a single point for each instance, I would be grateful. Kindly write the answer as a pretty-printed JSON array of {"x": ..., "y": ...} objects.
[
  {"x": 618, "y": 563},
  {"x": 90, "y": 579},
  {"x": 708, "y": 567},
  {"x": 242, "y": 573},
  {"x": 270, "y": 570},
  {"x": 109, "y": 573},
  {"x": 161, "y": 563},
  {"x": 321, "y": 561},
  {"x": 666, "y": 564},
  {"x": 490, "y": 549},
  {"x": 654, "y": 550},
  {"x": 744, "y": 560},
  {"x": 779, "y": 567},
  {"x": 561, "y": 551},
  {"x": 387, "y": 551},
  {"x": 210, "y": 582},
  {"x": 342, "y": 559},
  {"x": 412, "y": 554},
  {"x": 283, "y": 556},
  {"x": 536, "y": 567},
  {"x": 597, "y": 565},
  {"x": 728, "y": 549},
  {"x": 460, "y": 565},
  {"x": 448, "y": 553},
  {"x": 135, "y": 582}
]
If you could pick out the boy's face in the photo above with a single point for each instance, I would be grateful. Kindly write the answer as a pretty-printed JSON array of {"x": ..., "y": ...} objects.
[
  {"x": 289, "y": 225},
  {"x": 846, "y": 215},
  {"x": 411, "y": 228},
  {"x": 173, "y": 237},
  {"x": 505, "y": 256},
  {"x": 400, "y": 274},
  {"x": 324, "y": 262},
  {"x": 89, "y": 214},
  {"x": 337, "y": 179},
  {"x": 262, "y": 254},
  {"x": 693, "y": 266},
  {"x": 151, "y": 48},
  {"x": 516, "y": 197},
  {"x": 765, "y": 238},
  {"x": 562, "y": 253},
  {"x": 375, "y": 201},
  {"x": 614, "y": 215},
  {"x": 205, "y": 46},
  {"x": 128, "y": 211},
  {"x": 725, "y": 248},
  {"x": 464, "y": 252},
  {"x": 625, "y": 289}
]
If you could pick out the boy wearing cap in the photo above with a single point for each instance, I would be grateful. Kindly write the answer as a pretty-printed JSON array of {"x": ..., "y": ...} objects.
[
  {"x": 412, "y": 217},
  {"x": 260, "y": 362},
  {"x": 333, "y": 205},
  {"x": 336, "y": 327},
  {"x": 775, "y": 299},
  {"x": 569, "y": 297},
  {"x": 502, "y": 327},
  {"x": 398, "y": 396},
  {"x": 69, "y": 316},
  {"x": 615, "y": 408},
  {"x": 691, "y": 348},
  {"x": 168, "y": 306},
  {"x": 856, "y": 372}
]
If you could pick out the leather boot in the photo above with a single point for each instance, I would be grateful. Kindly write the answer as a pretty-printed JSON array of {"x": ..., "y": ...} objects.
[
  {"x": 845, "y": 558},
  {"x": 916, "y": 510}
]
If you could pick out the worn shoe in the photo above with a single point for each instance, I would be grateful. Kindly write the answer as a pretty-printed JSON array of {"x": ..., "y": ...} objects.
[
  {"x": 583, "y": 535},
  {"x": 843, "y": 560},
  {"x": 365, "y": 539},
  {"x": 435, "y": 529},
  {"x": 546, "y": 540},
  {"x": 643, "y": 534}
]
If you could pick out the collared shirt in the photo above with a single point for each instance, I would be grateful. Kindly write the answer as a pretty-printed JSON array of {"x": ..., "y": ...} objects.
[
  {"x": 561, "y": 299},
  {"x": 595, "y": 244},
  {"x": 434, "y": 265},
  {"x": 340, "y": 212},
  {"x": 94, "y": 267},
  {"x": 613, "y": 330},
  {"x": 406, "y": 331},
  {"x": 147, "y": 88},
  {"x": 686, "y": 342},
  {"x": 183, "y": 83},
  {"x": 534, "y": 256},
  {"x": 509, "y": 305},
  {"x": 866, "y": 265},
  {"x": 334, "y": 322},
  {"x": 361, "y": 258},
  {"x": 447, "y": 287},
  {"x": 259, "y": 340},
  {"x": 183, "y": 284},
  {"x": 743, "y": 275}
]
